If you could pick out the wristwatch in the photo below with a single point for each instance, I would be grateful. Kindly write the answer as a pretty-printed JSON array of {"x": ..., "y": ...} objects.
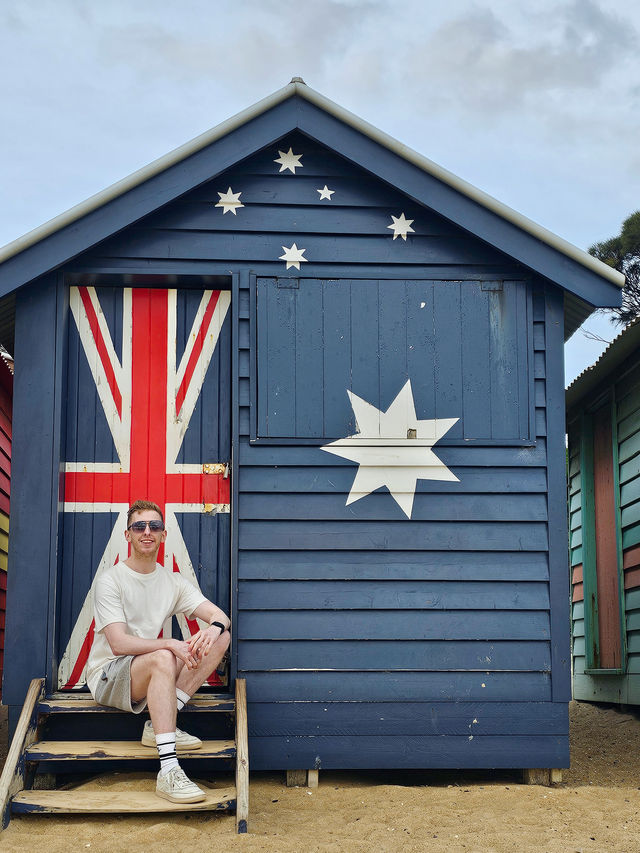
[{"x": 219, "y": 625}]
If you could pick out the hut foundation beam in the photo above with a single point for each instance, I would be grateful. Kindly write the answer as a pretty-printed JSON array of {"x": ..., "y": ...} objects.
[
  {"x": 302, "y": 778},
  {"x": 542, "y": 776}
]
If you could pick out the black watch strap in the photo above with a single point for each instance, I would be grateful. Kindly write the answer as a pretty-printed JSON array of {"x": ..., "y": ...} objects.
[{"x": 219, "y": 625}]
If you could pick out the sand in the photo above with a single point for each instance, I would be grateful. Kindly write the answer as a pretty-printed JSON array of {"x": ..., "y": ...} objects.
[{"x": 597, "y": 808}]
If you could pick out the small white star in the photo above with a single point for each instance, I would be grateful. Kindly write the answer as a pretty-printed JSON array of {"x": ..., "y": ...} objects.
[
  {"x": 401, "y": 226},
  {"x": 293, "y": 256},
  {"x": 229, "y": 201},
  {"x": 289, "y": 161},
  {"x": 385, "y": 454},
  {"x": 325, "y": 192}
]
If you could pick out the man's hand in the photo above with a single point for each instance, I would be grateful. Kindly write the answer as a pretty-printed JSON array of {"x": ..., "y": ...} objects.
[
  {"x": 201, "y": 643},
  {"x": 183, "y": 651}
]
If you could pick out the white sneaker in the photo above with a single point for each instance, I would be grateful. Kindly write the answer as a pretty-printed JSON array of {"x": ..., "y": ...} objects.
[
  {"x": 176, "y": 787},
  {"x": 184, "y": 741}
]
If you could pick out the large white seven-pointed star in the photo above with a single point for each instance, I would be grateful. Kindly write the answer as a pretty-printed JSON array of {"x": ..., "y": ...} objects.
[
  {"x": 293, "y": 256},
  {"x": 289, "y": 160},
  {"x": 229, "y": 201},
  {"x": 385, "y": 453},
  {"x": 401, "y": 226}
]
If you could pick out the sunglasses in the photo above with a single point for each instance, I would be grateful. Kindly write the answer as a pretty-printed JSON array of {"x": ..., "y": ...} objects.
[{"x": 141, "y": 526}]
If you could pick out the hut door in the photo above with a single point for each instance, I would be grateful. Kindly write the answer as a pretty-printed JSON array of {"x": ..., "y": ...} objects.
[
  {"x": 602, "y": 568},
  {"x": 147, "y": 416}
]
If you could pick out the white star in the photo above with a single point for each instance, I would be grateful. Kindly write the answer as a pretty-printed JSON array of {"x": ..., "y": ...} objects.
[
  {"x": 325, "y": 192},
  {"x": 229, "y": 201},
  {"x": 293, "y": 256},
  {"x": 289, "y": 161},
  {"x": 385, "y": 453},
  {"x": 401, "y": 226}
]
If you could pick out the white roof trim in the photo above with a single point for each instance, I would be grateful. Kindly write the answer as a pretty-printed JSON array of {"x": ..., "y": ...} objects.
[{"x": 297, "y": 87}]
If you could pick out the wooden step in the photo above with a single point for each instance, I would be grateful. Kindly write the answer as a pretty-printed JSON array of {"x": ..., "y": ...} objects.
[
  {"x": 116, "y": 802},
  {"x": 98, "y": 750},
  {"x": 85, "y": 703}
]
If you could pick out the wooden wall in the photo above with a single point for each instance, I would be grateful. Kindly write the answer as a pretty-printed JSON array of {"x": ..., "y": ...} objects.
[
  {"x": 369, "y": 639},
  {"x": 621, "y": 391}
]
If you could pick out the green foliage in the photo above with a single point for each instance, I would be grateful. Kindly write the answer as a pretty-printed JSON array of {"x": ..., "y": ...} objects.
[{"x": 623, "y": 254}]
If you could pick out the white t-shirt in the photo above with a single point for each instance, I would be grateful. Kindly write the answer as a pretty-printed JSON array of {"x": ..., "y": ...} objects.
[{"x": 142, "y": 601}]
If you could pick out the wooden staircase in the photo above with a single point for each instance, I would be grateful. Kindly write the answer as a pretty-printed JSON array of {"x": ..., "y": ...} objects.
[{"x": 42, "y": 751}]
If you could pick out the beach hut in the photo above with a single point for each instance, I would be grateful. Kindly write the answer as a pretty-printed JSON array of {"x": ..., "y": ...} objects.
[
  {"x": 339, "y": 369},
  {"x": 603, "y": 418}
]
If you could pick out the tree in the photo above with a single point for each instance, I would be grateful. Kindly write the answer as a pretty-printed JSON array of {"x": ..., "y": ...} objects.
[{"x": 623, "y": 254}]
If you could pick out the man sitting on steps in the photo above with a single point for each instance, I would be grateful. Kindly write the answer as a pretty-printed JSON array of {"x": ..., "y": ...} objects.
[{"x": 130, "y": 668}]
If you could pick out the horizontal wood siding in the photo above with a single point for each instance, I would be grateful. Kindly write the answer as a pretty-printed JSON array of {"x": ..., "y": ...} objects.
[
  {"x": 359, "y": 609},
  {"x": 358, "y": 632}
]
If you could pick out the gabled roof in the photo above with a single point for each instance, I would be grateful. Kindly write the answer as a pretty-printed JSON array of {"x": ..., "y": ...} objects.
[
  {"x": 623, "y": 347},
  {"x": 586, "y": 281}
]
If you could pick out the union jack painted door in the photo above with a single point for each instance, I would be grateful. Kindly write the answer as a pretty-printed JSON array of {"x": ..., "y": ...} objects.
[{"x": 147, "y": 416}]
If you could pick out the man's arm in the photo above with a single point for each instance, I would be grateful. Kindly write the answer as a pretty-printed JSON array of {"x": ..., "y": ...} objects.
[
  {"x": 123, "y": 643},
  {"x": 202, "y": 641}
]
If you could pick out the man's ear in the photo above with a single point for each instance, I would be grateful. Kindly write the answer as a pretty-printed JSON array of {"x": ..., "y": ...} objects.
[{"x": 127, "y": 535}]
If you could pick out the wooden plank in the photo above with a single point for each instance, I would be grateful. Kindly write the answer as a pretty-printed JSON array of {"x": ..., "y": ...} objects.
[
  {"x": 395, "y": 565},
  {"x": 285, "y": 719},
  {"x": 77, "y": 801},
  {"x": 390, "y": 625},
  {"x": 211, "y": 245},
  {"x": 475, "y": 362},
  {"x": 426, "y": 507},
  {"x": 296, "y": 778},
  {"x": 336, "y": 753},
  {"x": 630, "y": 492},
  {"x": 282, "y": 216},
  {"x": 339, "y": 478},
  {"x": 606, "y": 556},
  {"x": 413, "y": 686},
  {"x": 265, "y": 190},
  {"x": 309, "y": 355},
  {"x": 337, "y": 323},
  {"x": 392, "y": 595},
  {"x": 452, "y": 455},
  {"x": 242, "y": 758},
  {"x": 395, "y": 535},
  {"x": 632, "y": 578},
  {"x": 79, "y": 705},
  {"x": 122, "y": 750},
  {"x": 13, "y": 773},
  {"x": 376, "y": 655}
]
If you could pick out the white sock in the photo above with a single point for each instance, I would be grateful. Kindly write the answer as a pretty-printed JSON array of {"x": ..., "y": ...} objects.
[
  {"x": 182, "y": 698},
  {"x": 166, "y": 744}
]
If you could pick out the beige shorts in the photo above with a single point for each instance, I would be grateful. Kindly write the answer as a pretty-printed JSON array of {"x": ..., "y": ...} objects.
[{"x": 114, "y": 686}]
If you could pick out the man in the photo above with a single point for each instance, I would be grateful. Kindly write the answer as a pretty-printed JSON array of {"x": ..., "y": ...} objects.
[{"x": 130, "y": 668}]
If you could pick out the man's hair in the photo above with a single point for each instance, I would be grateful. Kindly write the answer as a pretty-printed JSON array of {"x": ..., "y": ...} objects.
[{"x": 139, "y": 506}]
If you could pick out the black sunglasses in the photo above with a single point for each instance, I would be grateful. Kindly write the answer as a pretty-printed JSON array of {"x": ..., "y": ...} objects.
[{"x": 141, "y": 526}]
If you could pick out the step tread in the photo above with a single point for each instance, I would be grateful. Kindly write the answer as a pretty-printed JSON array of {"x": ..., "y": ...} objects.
[
  {"x": 118, "y": 802},
  {"x": 87, "y": 704},
  {"x": 98, "y": 750}
]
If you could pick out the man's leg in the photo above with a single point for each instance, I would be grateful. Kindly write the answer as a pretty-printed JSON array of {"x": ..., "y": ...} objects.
[
  {"x": 189, "y": 680},
  {"x": 154, "y": 675}
]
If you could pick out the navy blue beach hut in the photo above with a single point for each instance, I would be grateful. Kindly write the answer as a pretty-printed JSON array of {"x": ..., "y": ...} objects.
[{"x": 339, "y": 369}]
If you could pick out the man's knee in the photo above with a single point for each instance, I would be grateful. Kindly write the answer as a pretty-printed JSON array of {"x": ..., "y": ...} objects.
[{"x": 164, "y": 661}]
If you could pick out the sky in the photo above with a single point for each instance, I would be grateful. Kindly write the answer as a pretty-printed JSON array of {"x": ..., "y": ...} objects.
[{"x": 537, "y": 104}]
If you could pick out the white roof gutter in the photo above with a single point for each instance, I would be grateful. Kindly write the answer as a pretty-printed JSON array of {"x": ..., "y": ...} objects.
[{"x": 298, "y": 87}]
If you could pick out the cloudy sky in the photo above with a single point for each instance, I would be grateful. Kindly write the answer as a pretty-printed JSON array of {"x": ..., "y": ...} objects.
[{"x": 538, "y": 103}]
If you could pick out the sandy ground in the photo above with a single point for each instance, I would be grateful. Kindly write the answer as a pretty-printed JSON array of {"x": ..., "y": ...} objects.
[{"x": 597, "y": 808}]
